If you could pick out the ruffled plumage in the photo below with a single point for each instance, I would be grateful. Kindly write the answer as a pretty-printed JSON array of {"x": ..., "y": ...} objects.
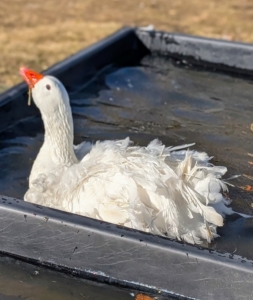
[
  {"x": 153, "y": 188},
  {"x": 173, "y": 191}
]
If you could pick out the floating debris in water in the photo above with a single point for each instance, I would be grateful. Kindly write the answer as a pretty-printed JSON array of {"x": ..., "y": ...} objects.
[
  {"x": 248, "y": 176},
  {"x": 247, "y": 188},
  {"x": 144, "y": 297}
]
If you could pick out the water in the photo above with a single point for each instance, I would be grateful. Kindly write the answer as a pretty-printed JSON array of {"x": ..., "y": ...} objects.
[
  {"x": 19, "y": 280},
  {"x": 156, "y": 98}
]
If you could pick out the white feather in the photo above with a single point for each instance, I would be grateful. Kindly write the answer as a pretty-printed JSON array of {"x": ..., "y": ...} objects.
[{"x": 170, "y": 191}]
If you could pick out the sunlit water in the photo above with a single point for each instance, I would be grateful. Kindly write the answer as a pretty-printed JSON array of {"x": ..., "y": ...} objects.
[
  {"x": 157, "y": 98},
  {"x": 19, "y": 280}
]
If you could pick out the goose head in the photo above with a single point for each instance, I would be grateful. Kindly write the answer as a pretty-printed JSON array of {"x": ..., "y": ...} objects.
[
  {"x": 48, "y": 93},
  {"x": 52, "y": 99}
]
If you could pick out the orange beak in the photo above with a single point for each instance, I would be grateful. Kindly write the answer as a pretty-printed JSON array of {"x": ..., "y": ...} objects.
[{"x": 30, "y": 77}]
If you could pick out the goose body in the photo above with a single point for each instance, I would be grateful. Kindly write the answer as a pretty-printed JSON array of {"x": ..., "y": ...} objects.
[{"x": 174, "y": 192}]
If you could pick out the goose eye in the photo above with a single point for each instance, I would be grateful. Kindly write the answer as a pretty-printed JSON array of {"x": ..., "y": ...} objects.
[{"x": 48, "y": 87}]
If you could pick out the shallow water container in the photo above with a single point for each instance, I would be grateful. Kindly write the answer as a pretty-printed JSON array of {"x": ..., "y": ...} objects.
[{"x": 142, "y": 84}]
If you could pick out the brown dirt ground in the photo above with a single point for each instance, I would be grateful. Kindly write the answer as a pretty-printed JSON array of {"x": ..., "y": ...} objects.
[{"x": 39, "y": 33}]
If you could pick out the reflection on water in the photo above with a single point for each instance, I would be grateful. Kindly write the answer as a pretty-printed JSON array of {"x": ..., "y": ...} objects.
[
  {"x": 19, "y": 280},
  {"x": 156, "y": 99}
]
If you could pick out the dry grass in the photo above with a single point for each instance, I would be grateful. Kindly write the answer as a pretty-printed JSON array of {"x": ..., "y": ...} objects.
[{"x": 39, "y": 33}]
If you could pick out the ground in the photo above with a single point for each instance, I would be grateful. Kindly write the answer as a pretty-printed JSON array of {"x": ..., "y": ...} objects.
[{"x": 39, "y": 33}]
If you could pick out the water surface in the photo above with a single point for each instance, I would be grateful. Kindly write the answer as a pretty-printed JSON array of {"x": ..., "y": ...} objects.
[
  {"x": 156, "y": 98},
  {"x": 19, "y": 280}
]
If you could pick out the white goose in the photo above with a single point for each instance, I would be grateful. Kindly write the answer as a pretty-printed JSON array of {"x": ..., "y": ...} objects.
[{"x": 178, "y": 194}]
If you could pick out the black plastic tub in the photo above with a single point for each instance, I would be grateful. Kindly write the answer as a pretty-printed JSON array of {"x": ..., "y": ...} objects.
[{"x": 142, "y": 84}]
